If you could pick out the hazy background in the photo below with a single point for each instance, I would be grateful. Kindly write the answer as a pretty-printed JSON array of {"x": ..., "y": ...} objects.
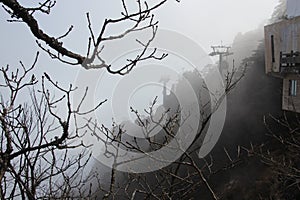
[{"x": 206, "y": 22}]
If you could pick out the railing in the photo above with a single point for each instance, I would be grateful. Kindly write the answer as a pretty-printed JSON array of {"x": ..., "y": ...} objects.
[{"x": 290, "y": 62}]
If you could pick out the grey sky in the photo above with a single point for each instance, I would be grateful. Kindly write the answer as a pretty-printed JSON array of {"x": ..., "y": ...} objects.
[
  {"x": 205, "y": 21},
  {"x": 211, "y": 21}
]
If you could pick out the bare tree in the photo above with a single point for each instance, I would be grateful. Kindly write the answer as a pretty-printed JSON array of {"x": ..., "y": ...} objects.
[
  {"x": 281, "y": 156},
  {"x": 138, "y": 20},
  {"x": 42, "y": 152},
  {"x": 181, "y": 178}
]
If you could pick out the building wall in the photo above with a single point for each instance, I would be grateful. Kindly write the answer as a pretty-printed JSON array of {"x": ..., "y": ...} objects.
[
  {"x": 293, "y": 8},
  {"x": 286, "y": 38},
  {"x": 290, "y": 103}
]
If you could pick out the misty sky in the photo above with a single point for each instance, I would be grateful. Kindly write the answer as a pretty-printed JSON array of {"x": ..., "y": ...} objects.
[
  {"x": 206, "y": 22},
  {"x": 211, "y": 21}
]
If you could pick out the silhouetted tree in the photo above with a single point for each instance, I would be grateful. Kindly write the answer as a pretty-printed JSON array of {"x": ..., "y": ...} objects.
[{"x": 42, "y": 154}]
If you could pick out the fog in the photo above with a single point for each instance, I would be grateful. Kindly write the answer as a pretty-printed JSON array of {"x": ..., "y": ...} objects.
[
  {"x": 209, "y": 22},
  {"x": 201, "y": 23},
  {"x": 192, "y": 26}
]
